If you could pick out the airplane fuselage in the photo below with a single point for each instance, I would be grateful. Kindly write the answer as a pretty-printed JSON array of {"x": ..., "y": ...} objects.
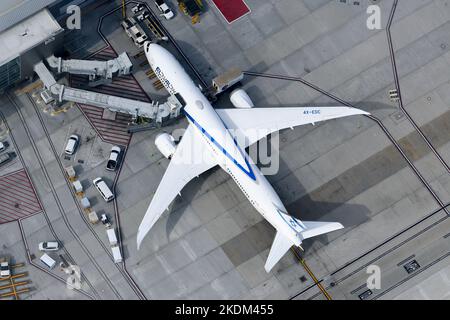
[{"x": 229, "y": 154}]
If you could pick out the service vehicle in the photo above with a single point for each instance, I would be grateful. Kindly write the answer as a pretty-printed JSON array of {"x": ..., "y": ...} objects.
[
  {"x": 72, "y": 144},
  {"x": 3, "y": 146},
  {"x": 134, "y": 31},
  {"x": 103, "y": 189},
  {"x": 137, "y": 8},
  {"x": 165, "y": 10},
  {"x": 5, "y": 272},
  {"x": 127, "y": 23},
  {"x": 105, "y": 220},
  {"x": 114, "y": 158}
]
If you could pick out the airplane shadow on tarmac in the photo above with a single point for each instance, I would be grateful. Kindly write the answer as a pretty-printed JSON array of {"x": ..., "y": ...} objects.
[{"x": 304, "y": 207}]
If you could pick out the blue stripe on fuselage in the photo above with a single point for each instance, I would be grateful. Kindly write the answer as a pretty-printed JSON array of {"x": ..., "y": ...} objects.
[{"x": 249, "y": 170}]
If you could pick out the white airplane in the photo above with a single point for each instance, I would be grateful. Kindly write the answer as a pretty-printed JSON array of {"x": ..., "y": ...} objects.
[{"x": 211, "y": 139}]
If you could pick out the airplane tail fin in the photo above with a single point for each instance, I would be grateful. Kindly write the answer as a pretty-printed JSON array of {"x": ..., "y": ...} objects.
[{"x": 282, "y": 244}]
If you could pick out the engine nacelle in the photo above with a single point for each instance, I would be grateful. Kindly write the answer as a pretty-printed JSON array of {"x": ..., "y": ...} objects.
[
  {"x": 166, "y": 144},
  {"x": 240, "y": 99}
]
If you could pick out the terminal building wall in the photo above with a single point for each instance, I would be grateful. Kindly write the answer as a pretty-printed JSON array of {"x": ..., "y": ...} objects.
[{"x": 21, "y": 68}]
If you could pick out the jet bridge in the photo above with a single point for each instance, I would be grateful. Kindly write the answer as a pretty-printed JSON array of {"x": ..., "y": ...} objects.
[
  {"x": 99, "y": 72},
  {"x": 159, "y": 113}
]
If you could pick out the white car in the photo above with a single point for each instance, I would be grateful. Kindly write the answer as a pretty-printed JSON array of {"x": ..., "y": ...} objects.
[
  {"x": 164, "y": 9},
  {"x": 114, "y": 158},
  {"x": 4, "y": 270},
  {"x": 49, "y": 246},
  {"x": 3, "y": 146},
  {"x": 72, "y": 144}
]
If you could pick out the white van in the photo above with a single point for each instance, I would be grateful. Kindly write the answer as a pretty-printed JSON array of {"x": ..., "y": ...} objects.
[
  {"x": 116, "y": 254},
  {"x": 111, "y": 236},
  {"x": 48, "y": 261},
  {"x": 103, "y": 189}
]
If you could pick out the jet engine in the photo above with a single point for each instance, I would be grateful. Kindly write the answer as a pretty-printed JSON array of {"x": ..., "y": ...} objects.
[
  {"x": 240, "y": 99},
  {"x": 166, "y": 144}
]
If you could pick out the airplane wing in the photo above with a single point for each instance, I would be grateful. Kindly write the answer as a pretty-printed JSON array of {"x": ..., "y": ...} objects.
[
  {"x": 251, "y": 125},
  {"x": 191, "y": 159}
]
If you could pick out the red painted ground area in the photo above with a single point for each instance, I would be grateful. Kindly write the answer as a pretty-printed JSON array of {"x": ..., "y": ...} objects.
[
  {"x": 17, "y": 197},
  {"x": 232, "y": 9}
]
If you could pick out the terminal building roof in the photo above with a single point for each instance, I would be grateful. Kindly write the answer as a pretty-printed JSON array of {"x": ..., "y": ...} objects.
[
  {"x": 27, "y": 34},
  {"x": 14, "y": 11}
]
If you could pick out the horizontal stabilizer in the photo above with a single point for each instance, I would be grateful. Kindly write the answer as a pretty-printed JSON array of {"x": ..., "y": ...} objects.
[
  {"x": 280, "y": 246},
  {"x": 315, "y": 228}
]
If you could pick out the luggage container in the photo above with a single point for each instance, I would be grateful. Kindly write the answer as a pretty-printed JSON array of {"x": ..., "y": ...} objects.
[
  {"x": 77, "y": 187},
  {"x": 227, "y": 80},
  {"x": 93, "y": 217},
  {"x": 112, "y": 236},
  {"x": 48, "y": 261},
  {"x": 85, "y": 203},
  {"x": 116, "y": 254}
]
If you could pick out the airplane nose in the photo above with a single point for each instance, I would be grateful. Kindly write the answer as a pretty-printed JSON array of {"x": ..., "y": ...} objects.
[{"x": 148, "y": 53}]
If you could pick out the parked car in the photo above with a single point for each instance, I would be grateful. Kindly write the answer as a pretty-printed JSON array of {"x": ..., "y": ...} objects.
[
  {"x": 49, "y": 246},
  {"x": 165, "y": 10},
  {"x": 72, "y": 144},
  {"x": 114, "y": 158},
  {"x": 5, "y": 272},
  {"x": 137, "y": 8},
  {"x": 3, "y": 146}
]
